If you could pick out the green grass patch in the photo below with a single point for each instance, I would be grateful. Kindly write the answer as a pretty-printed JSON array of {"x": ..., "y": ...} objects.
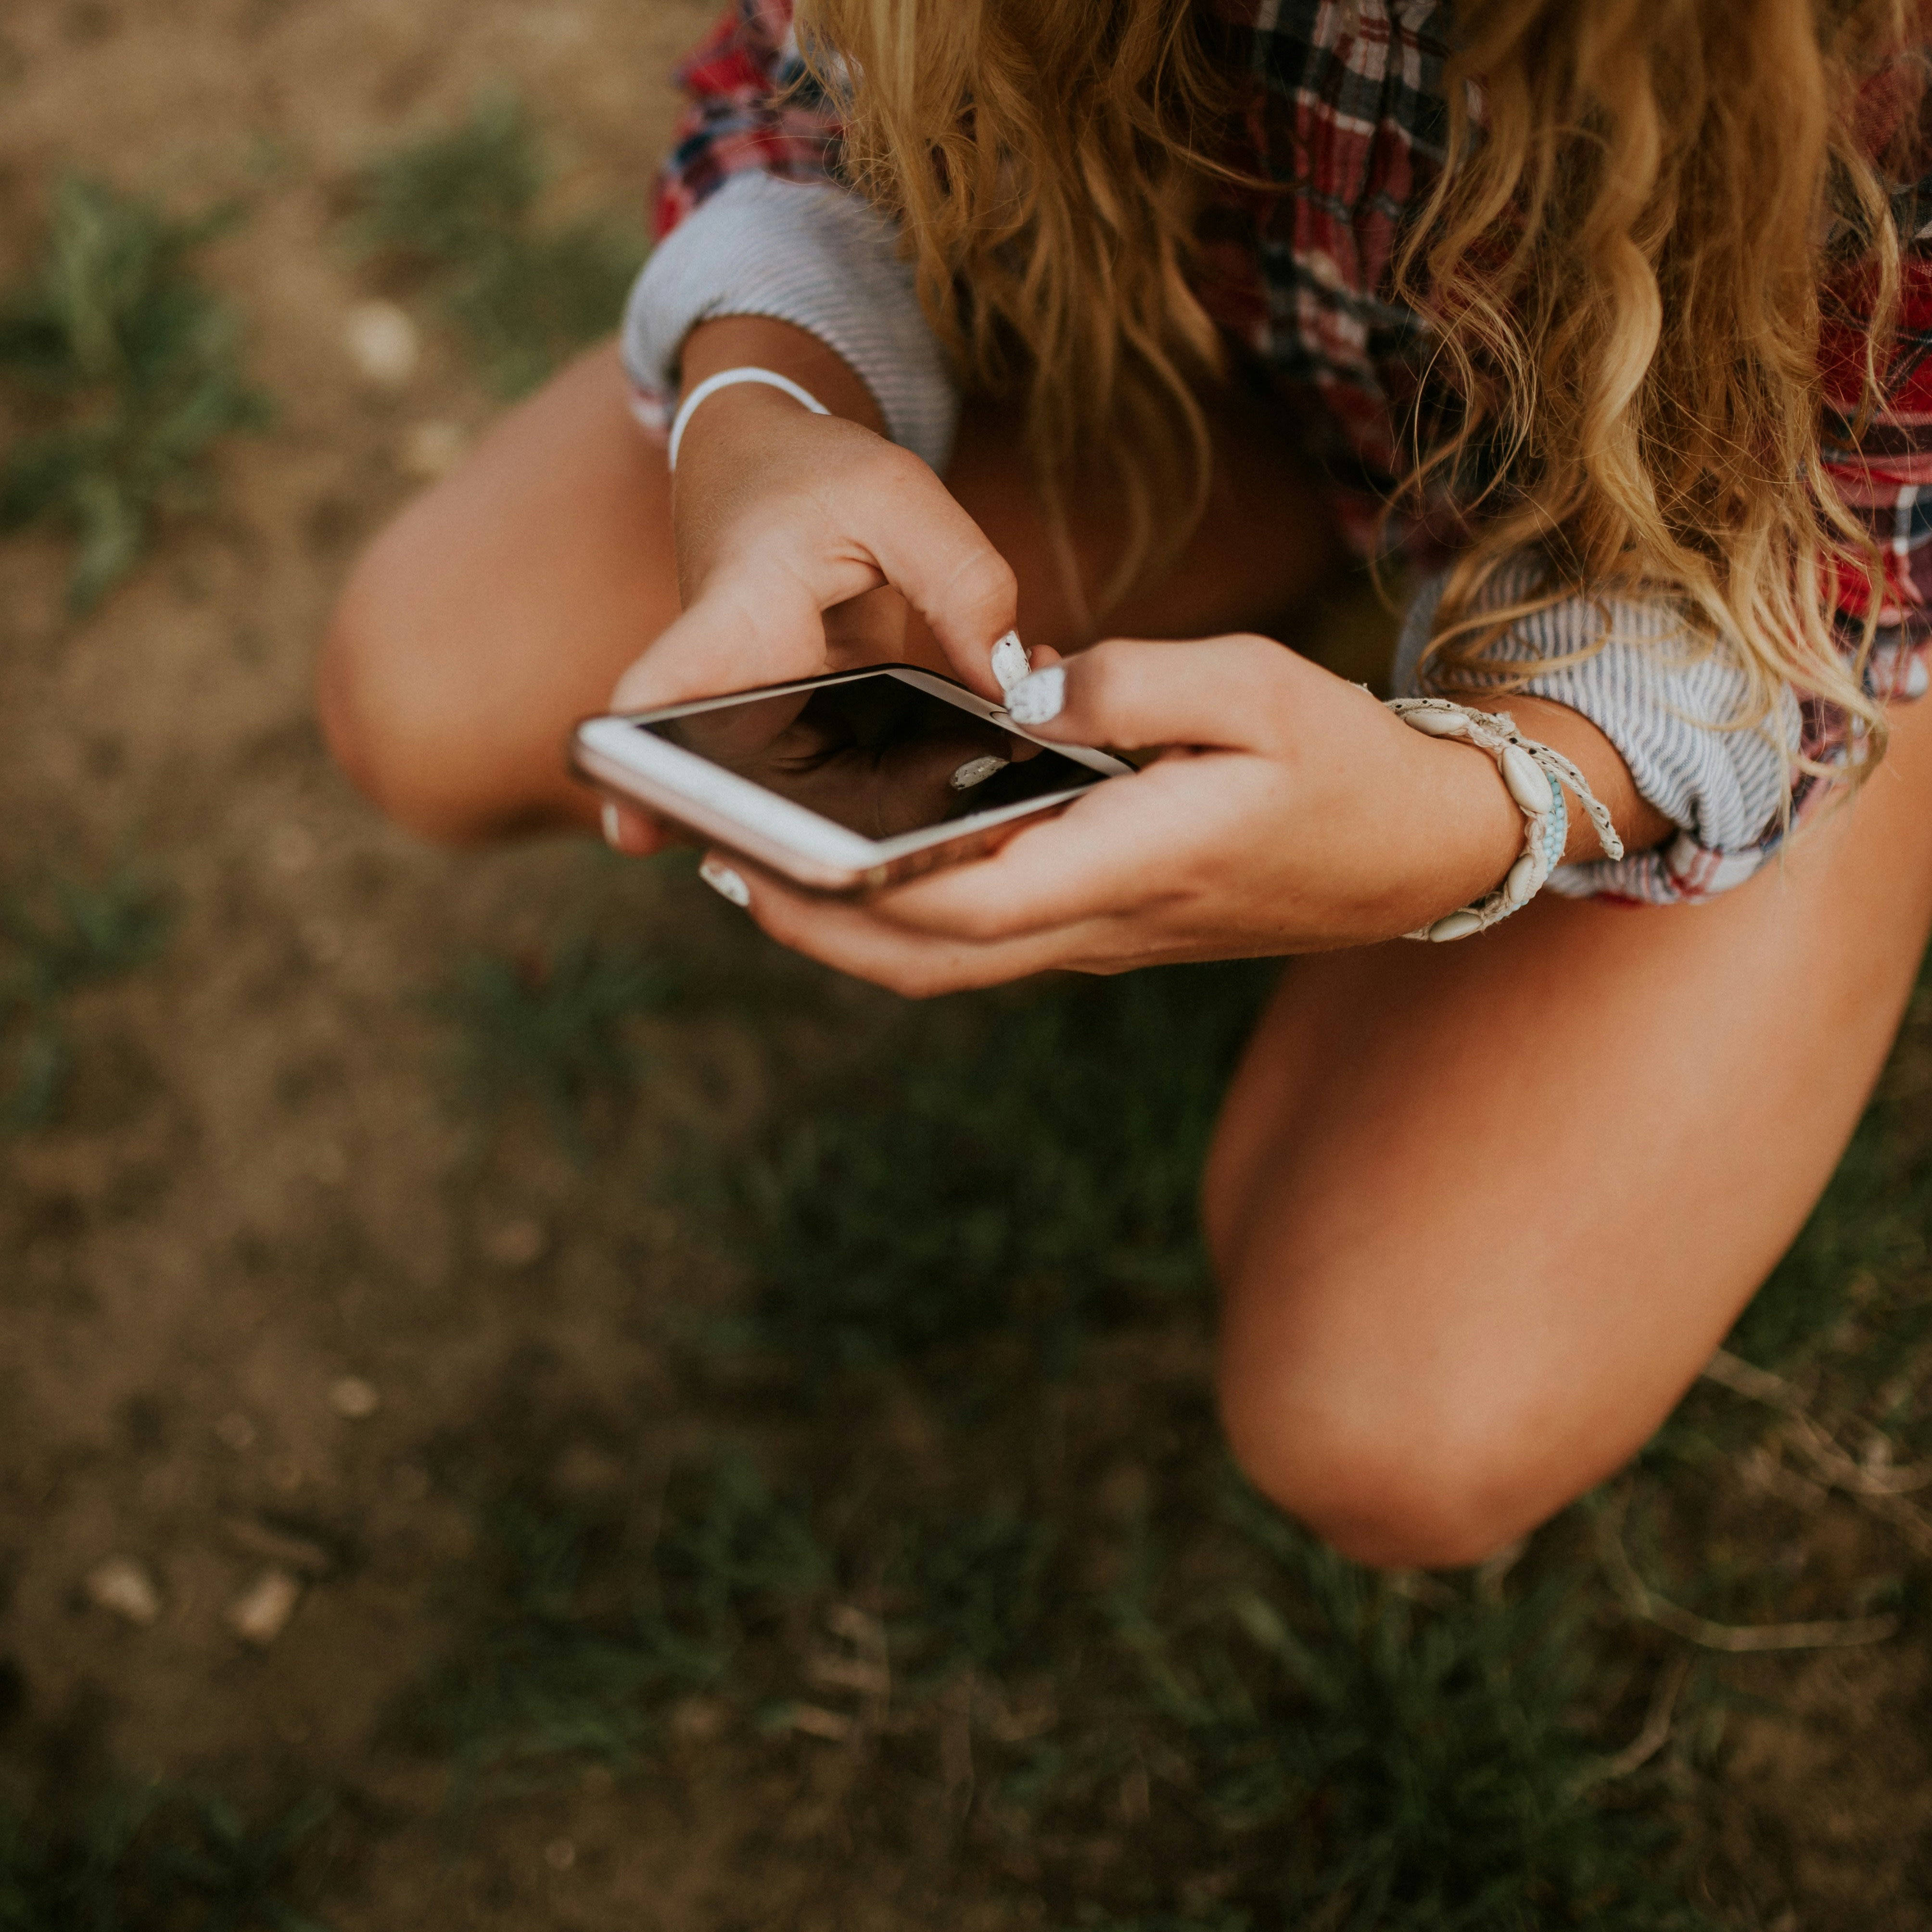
[
  {"x": 1416, "y": 1766},
  {"x": 460, "y": 213},
  {"x": 163, "y": 1859},
  {"x": 555, "y": 1027},
  {"x": 595, "y": 1622},
  {"x": 1030, "y": 1163},
  {"x": 67, "y": 934},
  {"x": 122, "y": 371},
  {"x": 1027, "y": 1599}
]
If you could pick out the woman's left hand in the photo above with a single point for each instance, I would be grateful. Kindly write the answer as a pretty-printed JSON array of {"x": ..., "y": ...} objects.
[{"x": 1289, "y": 811}]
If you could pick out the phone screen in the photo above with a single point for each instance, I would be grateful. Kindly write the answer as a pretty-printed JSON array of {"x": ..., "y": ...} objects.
[{"x": 874, "y": 754}]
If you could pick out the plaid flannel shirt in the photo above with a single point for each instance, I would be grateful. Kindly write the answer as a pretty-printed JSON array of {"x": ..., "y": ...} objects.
[{"x": 1343, "y": 110}]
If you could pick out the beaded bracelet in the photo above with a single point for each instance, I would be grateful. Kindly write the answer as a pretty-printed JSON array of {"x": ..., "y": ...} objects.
[{"x": 1536, "y": 776}]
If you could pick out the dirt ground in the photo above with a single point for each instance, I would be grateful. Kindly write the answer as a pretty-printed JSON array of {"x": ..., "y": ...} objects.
[{"x": 267, "y": 1301}]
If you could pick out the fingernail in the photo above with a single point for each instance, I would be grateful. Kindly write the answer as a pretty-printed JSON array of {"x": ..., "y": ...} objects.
[
  {"x": 613, "y": 825},
  {"x": 1037, "y": 700},
  {"x": 977, "y": 772},
  {"x": 1010, "y": 661},
  {"x": 725, "y": 883}
]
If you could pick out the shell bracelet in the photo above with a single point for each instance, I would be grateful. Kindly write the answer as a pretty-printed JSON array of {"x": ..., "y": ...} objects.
[{"x": 1535, "y": 776}]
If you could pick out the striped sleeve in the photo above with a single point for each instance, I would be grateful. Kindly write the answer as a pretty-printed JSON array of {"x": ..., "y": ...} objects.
[
  {"x": 1672, "y": 712},
  {"x": 752, "y": 219},
  {"x": 812, "y": 255}
]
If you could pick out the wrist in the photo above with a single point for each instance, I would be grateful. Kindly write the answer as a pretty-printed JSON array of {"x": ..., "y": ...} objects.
[
  {"x": 1464, "y": 831},
  {"x": 740, "y": 341}
]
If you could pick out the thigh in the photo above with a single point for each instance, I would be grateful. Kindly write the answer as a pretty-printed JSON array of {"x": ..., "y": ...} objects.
[
  {"x": 1482, "y": 1211},
  {"x": 502, "y": 605}
]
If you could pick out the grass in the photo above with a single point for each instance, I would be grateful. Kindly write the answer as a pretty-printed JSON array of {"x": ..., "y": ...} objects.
[
  {"x": 124, "y": 371},
  {"x": 1324, "y": 1749},
  {"x": 592, "y": 1631},
  {"x": 1419, "y": 1766},
  {"x": 54, "y": 941},
  {"x": 157, "y": 1860},
  {"x": 461, "y": 213},
  {"x": 1292, "y": 1740},
  {"x": 554, "y": 1027},
  {"x": 1028, "y": 1164}
]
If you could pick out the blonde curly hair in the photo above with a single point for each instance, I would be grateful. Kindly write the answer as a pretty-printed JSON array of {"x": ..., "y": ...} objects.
[{"x": 1623, "y": 267}]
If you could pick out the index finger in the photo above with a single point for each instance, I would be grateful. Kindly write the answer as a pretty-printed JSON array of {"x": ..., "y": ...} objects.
[{"x": 927, "y": 546}]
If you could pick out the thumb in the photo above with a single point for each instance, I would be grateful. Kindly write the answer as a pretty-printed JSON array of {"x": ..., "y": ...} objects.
[
  {"x": 1218, "y": 693},
  {"x": 750, "y": 627}
]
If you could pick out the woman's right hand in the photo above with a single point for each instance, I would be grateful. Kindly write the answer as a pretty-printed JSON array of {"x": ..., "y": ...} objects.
[{"x": 809, "y": 543}]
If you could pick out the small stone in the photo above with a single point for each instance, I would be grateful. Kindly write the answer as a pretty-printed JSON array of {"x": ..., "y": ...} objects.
[
  {"x": 1524, "y": 777},
  {"x": 432, "y": 449},
  {"x": 279, "y": 1547},
  {"x": 560, "y": 1855},
  {"x": 1456, "y": 926},
  {"x": 382, "y": 342},
  {"x": 293, "y": 848},
  {"x": 354, "y": 1399},
  {"x": 697, "y": 1719},
  {"x": 261, "y": 1613},
  {"x": 324, "y": 941},
  {"x": 124, "y": 1587},
  {"x": 815, "y": 1721},
  {"x": 236, "y": 1431},
  {"x": 1435, "y": 724},
  {"x": 516, "y": 1244},
  {"x": 582, "y": 1470}
]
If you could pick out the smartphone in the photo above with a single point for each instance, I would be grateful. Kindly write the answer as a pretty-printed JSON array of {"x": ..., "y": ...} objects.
[{"x": 843, "y": 782}]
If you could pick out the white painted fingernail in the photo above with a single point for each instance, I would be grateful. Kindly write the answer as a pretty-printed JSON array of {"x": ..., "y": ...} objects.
[
  {"x": 613, "y": 825},
  {"x": 1037, "y": 700},
  {"x": 1010, "y": 661},
  {"x": 977, "y": 772},
  {"x": 725, "y": 883}
]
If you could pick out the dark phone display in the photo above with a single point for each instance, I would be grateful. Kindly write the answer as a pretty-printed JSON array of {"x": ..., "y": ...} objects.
[{"x": 873, "y": 755}]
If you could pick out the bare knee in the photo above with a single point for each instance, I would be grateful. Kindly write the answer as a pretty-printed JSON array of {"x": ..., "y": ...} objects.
[
  {"x": 386, "y": 721},
  {"x": 1393, "y": 1470},
  {"x": 499, "y": 607},
  {"x": 426, "y": 707}
]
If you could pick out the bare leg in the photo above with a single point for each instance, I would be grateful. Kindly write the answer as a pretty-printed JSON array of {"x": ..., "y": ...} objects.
[
  {"x": 501, "y": 606},
  {"x": 1482, "y": 1211}
]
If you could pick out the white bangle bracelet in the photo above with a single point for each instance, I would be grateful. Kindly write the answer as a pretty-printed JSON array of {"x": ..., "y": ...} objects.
[
  {"x": 1535, "y": 776},
  {"x": 726, "y": 379}
]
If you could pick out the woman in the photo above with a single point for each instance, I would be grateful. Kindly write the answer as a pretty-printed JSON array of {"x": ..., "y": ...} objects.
[{"x": 1606, "y": 304}]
